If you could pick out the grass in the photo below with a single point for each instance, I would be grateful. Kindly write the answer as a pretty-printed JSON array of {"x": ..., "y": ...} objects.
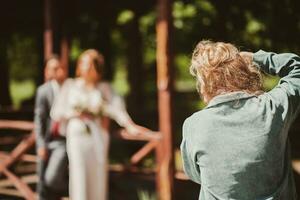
[
  {"x": 178, "y": 160},
  {"x": 145, "y": 195},
  {"x": 120, "y": 83},
  {"x": 21, "y": 90}
]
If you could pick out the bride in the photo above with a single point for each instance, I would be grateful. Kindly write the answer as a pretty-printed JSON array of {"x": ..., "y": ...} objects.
[{"x": 80, "y": 108}]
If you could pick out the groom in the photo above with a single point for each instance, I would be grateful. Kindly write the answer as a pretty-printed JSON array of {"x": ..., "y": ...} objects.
[{"x": 51, "y": 148}]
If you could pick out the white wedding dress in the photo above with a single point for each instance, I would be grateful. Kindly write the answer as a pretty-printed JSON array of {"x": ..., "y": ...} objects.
[{"x": 87, "y": 141}]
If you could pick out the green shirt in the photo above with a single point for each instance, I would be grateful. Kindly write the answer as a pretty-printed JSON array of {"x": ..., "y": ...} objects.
[{"x": 237, "y": 147}]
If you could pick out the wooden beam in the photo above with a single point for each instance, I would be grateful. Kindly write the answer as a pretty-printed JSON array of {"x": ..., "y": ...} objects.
[
  {"x": 20, "y": 185},
  {"x": 17, "y": 125},
  {"x": 25, "y": 157},
  {"x": 11, "y": 192},
  {"x": 64, "y": 53},
  {"x": 140, "y": 154},
  {"x": 164, "y": 152},
  {"x": 7, "y": 140},
  {"x": 48, "y": 29},
  {"x": 29, "y": 179},
  {"x": 18, "y": 152}
]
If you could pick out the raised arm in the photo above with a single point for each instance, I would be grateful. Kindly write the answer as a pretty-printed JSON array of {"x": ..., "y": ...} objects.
[
  {"x": 287, "y": 67},
  {"x": 115, "y": 108}
]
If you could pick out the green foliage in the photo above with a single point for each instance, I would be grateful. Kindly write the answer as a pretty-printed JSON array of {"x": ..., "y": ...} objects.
[
  {"x": 145, "y": 195},
  {"x": 182, "y": 12},
  {"x": 178, "y": 160},
  {"x": 149, "y": 162},
  {"x": 120, "y": 83},
  {"x": 206, "y": 6},
  {"x": 147, "y": 28},
  {"x": 75, "y": 49},
  {"x": 22, "y": 58},
  {"x": 147, "y": 21},
  {"x": 184, "y": 81},
  {"x": 21, "y": 90},
  {"x": 125, "y": 16},
  {"x": 253, "y": 25}
]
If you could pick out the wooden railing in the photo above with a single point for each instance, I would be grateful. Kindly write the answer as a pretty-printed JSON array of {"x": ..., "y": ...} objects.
[{"x": 20, "y": 153}]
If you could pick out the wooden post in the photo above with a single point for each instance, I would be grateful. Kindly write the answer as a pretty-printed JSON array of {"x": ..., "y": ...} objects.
[
  {"x": 165, "y": 158},
  {"x": 48, "y": 29},
  {"x": 64, "y": 53},
  {"x": 63, "y": 22}
]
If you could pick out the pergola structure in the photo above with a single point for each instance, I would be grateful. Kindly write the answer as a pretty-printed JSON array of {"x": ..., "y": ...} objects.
[{"x": 160, "y": 141}]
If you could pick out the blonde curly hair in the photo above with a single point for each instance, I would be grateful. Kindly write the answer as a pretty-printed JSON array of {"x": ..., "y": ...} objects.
[
  {"x": 221, "y": 68},
  {"x": 96, "y": 60}
]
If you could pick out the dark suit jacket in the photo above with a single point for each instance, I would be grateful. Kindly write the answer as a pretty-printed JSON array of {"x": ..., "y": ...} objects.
[{"x": 42, "y": 120}]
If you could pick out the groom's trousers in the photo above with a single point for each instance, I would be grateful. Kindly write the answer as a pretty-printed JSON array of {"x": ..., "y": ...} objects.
[{"x": 53, "y": 173}]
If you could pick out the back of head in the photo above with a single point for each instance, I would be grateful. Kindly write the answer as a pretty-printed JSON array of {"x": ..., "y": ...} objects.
[
  {"x": 220, "y": 68},
  {"x": 90, "y": 58}
]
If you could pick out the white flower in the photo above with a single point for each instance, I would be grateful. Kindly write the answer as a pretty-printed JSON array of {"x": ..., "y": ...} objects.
[{"x": 83, "y": 100}]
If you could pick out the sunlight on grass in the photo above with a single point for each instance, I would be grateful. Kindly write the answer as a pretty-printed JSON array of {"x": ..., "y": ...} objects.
[
  {"x": 145, "y": 195},
  {"x": 21, "y": 90},
  {"x": 185, "y": 85},
  {"x": 178, "y": 160},
  {"x": 120, "y": 83}
]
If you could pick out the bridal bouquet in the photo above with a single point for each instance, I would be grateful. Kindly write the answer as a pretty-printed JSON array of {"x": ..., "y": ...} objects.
[
  {"x": 86, "y": 103},
  {"x": 89, "y": 102}
]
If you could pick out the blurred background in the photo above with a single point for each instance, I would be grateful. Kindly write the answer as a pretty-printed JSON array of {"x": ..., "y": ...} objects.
[{"x": 124, "y": 31}]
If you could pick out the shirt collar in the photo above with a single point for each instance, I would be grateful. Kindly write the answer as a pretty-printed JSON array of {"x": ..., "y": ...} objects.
[{"x": 222, "y": 98}]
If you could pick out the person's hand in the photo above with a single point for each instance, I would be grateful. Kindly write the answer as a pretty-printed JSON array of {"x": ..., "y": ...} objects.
[
  {"x": 247, "y": 56},
  {"x": 42, "y": 153},
  {"x": 135, "y": 129},
  {"x": 132, "y": 129}
]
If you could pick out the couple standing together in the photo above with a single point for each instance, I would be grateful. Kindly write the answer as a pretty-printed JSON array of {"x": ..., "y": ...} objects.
[{"x": 72, "y": 131}]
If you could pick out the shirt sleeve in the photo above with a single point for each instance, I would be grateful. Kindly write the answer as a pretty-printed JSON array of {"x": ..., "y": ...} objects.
[
  {"x": 189, "y": 158},
  {"x": 40, "y": 118},
  {"x": 287, "y": 67},
  {"x": 115, "y": 106}
]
